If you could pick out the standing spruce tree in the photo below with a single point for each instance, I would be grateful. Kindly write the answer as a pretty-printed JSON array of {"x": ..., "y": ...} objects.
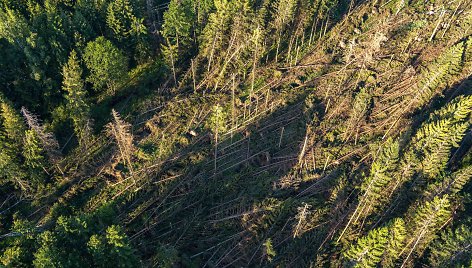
[
  {"x": 112, "y": 249},
  {"x": 35, "y": 160},
  {"x": 11, "y": 142},
  {"x": 15, "y": 30},
  {"x": 177, "y": 31},
  {"x": 19, "y": 253},
  {"x": 122, "y": 20},
  {"x": 283, "y": 16},
  {"x": 217, "y": 125},
  {"x": 48, "y": 140},
  {"x": 78, "y": 108},
  {"x": 213, "y": 36},
  {"x": 86, "y": 247},
  {"x": 107, "y": 64},
  {"x": 13, "y": 124},
  {"x": 10, "y": 169}
]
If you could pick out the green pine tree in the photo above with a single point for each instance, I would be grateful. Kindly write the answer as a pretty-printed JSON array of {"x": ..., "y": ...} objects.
[
  {"x": 78, "y": 107},
  {"x": 425, "y": 221},
  {"x": 442, "y": 132},
  {"x": 112, "y": 249},
  {"x": 122, "y": 20},
  {"x": 35, "y": 160},
  {"x": 452, "y": 249},
  {"x": 396, "y": 241},
  {"x": 367, "y": 251}
]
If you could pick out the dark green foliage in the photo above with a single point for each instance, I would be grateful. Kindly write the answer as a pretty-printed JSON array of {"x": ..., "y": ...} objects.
[
  {"x": 227, "y": 133},
  {"x": 77, "y": 105},
  {"x": 85, "y": 247},
  {"x": 452, "y": 249},
  {"x": 178, "y": 24},
  {"x": 22, "y": 240},
  {"x": 122, "y": 20},
  {"x": 35, "y": 158},
  {"x": 112, "y": 249}
]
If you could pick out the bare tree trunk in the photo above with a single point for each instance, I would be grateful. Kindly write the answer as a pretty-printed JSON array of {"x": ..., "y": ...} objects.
[
  {"x": 211, "y": 54},
  {"x": 277, "y": 51},
  {"x": 233, "y": 111},
  {"x": 193, "y": 77},
  {"x": 173, "y": 68},
  {"x": 216, "y": 148},
  {"x": 312, "y": 32}
]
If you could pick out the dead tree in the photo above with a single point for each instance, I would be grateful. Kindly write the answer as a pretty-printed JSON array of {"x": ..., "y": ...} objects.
[
  {"x": 48, "y": 141},
  {"x": 120, "y": 131}
]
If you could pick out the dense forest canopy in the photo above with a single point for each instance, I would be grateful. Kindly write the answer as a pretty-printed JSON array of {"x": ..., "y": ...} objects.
[{"x": 235, "y": 133}]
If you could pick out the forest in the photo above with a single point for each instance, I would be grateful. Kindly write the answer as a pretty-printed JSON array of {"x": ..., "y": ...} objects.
[{"x": 235, "y": 133}]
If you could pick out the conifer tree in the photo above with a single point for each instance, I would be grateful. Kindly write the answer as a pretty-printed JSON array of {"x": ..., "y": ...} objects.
[
  {"x": 217, "y": 125},
  {"x": 120, "y": 131},
  {"x": 213, "y": 36},
  {"x": 13, "y": 124},
  {"x": 368, "y": 250},
  {"x": 396, "y": 241},
  {"x": 13, "y": 27},
  {"x": 442, "y": 132},
  {"x": 122, "y": 20},
  {"x": 112, "y": 249},
  {"x": 282, "y": 17},
  {"x": 48, "y": 141},
  {"x": 35, "y": 161},
  {"x": 11, "y": 140},
  {"x": 425, "y": 222},
  {"x": 18, "y": 253},
  {"x": 450, "y": 183},
  {"x": 177, "y": 31},
  {"x": 107, "y": 64},
  {"x": 452, "y": 249},
  {"x": 435, "y": 74},
  {"x": 178, "y": 23},
  {"x": 380, "y": 246},
  {"x": 76, "y": 97},
  {"x": 373, "y": 187},
  {"x": 468, "y": 50},
  {"x": 10, "y": 169}
]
